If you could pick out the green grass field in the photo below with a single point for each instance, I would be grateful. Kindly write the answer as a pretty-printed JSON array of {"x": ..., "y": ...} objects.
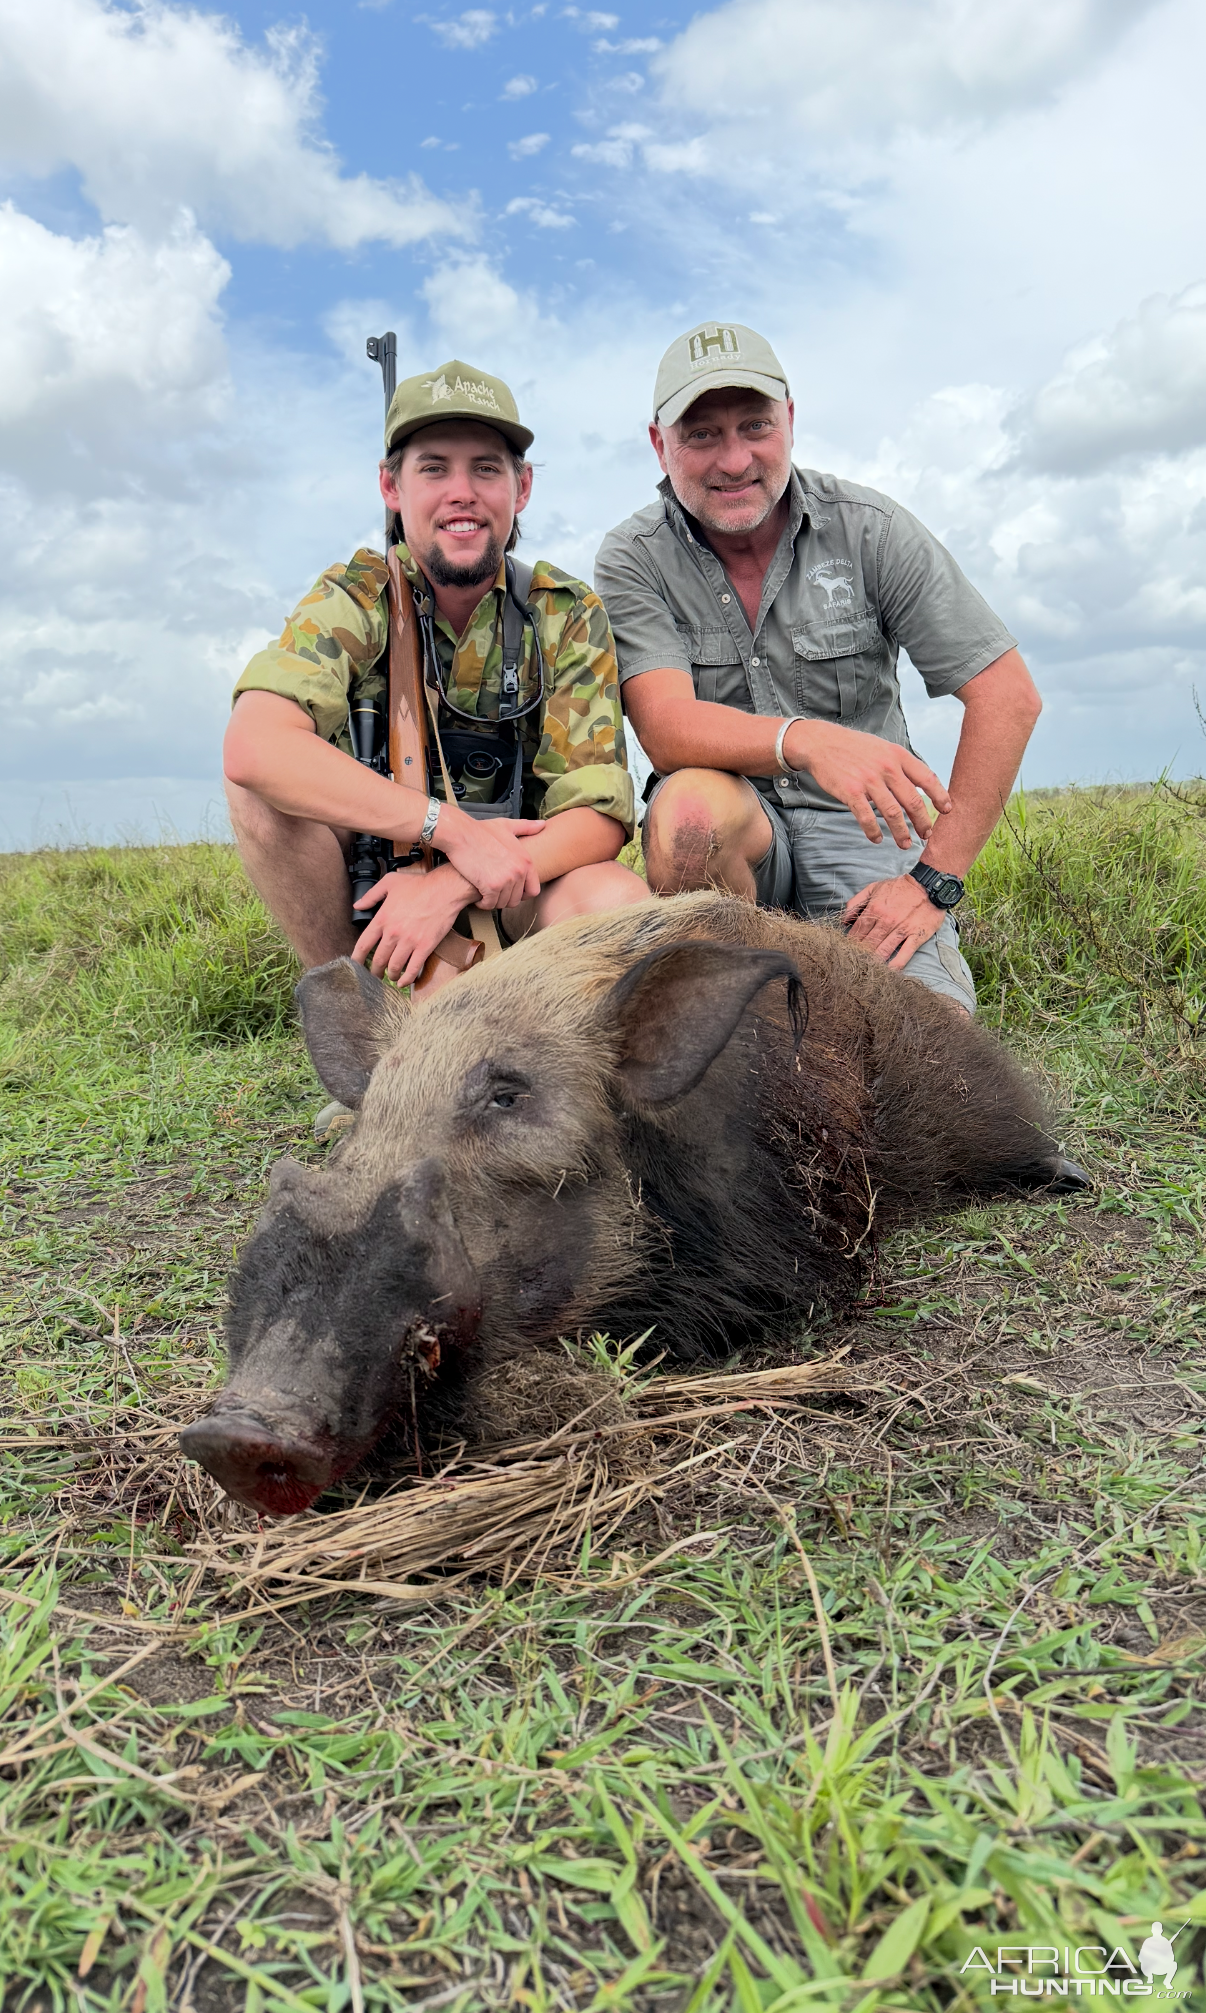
[{"x": 688, "y": 1785}]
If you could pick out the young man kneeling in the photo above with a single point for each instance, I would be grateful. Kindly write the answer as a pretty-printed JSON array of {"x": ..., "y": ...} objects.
[{"x": 456, "y": 477}]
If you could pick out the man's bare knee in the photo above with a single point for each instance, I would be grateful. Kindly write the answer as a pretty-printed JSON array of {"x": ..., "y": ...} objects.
[
  {"x": 587, "y": 891},
  {"x": 257, "y": 824},
  {"x": 683, "y": 845},
  {"x": 705, "y": 829},
  {"x": 254, "y": 821},
  {"x": 682, "y": 836}
]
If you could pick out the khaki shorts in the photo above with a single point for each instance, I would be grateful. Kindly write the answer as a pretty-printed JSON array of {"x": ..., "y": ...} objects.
[{"x": 817, "y": 860}]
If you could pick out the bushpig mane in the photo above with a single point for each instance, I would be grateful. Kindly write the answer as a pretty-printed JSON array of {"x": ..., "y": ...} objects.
[{"x": 869, "y": 1121}]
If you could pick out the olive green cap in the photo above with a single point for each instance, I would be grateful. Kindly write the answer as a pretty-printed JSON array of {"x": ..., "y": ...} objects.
[
  {"x": 709, "y": 356},
  {"x": 454, "y": 391}
]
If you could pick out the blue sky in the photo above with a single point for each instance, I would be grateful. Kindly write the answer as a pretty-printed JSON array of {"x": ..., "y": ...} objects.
[{"x": 972, "y": 231}]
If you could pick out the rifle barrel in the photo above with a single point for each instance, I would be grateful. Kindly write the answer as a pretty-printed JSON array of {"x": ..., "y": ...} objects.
[
  {"x": 383, "y": 350},
  {"x": 368, "y": 725}
]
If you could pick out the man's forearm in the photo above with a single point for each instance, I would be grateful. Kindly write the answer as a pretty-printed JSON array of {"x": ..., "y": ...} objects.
[
  {"x": 1000, "y": 710},
  {"x": 572, "y": 839},
  {"x": 273, "y": 750},
  {"x": 697, "y": 734},
  {"x": 578, "y": 838},
  {"x": 682, "y": 732}
]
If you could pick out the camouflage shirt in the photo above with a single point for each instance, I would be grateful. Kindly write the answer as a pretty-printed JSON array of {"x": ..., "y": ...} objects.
[{"x": 331, "y": 652}]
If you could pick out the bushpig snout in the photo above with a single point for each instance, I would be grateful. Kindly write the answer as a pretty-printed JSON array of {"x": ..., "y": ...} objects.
[
  {"x": 268, "y": 1468},
  {"x": 343, "y": 1305}
]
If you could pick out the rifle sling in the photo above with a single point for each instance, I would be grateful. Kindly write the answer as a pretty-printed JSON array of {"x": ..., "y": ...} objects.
[{"x": 408, "y": 760}]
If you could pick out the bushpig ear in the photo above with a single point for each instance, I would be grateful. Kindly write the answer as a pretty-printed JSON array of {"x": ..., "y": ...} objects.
[
  {"x": 677, "y": 1008},
  {"x": 349, "y": 1018}
]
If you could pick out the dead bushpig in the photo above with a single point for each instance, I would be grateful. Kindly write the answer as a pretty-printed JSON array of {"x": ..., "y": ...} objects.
[{"x": 689, "y": 1116}]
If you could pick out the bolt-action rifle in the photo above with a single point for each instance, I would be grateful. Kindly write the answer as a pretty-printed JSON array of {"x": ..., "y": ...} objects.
[{"x": 392, "y": 739}]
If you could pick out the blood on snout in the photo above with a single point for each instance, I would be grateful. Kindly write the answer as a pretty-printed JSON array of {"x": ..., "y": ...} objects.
[{"x": 262, "y": 1469}]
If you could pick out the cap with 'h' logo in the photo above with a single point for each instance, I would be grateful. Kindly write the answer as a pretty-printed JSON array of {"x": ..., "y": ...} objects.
[{"x": 712, "y": 355}]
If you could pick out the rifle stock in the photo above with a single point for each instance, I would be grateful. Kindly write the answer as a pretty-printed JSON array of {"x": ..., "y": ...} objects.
[{"x": 407, "y": 725}]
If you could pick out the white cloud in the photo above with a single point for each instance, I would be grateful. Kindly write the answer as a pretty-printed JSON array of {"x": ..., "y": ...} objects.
[
  {"x": 519, "y": 87},
  {"x": 532, "y": 143},
  {"x": 590, "y": 23},
  {"x": 636, "y": 45},
  {"x": 92, "y": 320},
  {"x": 848, "y": 72},
  {"x": 140, "y": 561},
  {"x": 471, "y": 304},
  {"x": 1101, "y": 574},
  {"x": 468, "y": 31},
  {"x": 678, "y": 157},
  {"x": 543, "y": 215},
  {"x": 617, "y": 150},
  {"x": 159, "y": 109},
  {"x": 1139, "y": 389}
]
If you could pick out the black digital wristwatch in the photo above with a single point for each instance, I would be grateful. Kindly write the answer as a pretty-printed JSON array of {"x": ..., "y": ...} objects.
[{"x": 944, "y": 890}]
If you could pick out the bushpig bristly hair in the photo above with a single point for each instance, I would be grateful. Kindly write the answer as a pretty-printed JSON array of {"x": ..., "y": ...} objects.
[{"x": 690, "y": 1116}]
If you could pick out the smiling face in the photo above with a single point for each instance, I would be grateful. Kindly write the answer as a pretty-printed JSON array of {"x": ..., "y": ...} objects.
[
  {"x": 728, "y": 458},
  {"x": 458, "y": 493}
]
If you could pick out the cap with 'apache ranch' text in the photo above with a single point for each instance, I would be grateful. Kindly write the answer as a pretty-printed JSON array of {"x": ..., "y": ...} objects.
[
  {"x": 454, "y": 391},
  {"x": 708, "y": 357}
]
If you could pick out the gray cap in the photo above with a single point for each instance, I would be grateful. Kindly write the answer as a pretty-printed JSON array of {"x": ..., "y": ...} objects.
[{"x": 712, "y": 355}]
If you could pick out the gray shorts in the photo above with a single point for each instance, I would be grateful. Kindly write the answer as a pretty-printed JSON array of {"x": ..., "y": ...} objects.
[{"x": 817, "y": 860}]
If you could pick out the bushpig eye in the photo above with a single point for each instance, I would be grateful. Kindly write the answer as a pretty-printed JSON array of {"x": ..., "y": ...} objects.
[{"x": 493, "y": 1085}]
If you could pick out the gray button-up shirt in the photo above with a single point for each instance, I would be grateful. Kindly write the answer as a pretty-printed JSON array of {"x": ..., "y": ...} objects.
[{"x": 854, "y": 579}]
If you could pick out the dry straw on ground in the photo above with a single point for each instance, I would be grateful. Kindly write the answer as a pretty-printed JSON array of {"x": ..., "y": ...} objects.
[{"x": 524, "y": 1510}]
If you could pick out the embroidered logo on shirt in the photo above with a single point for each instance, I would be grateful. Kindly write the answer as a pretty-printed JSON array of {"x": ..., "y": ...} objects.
[
  {"x": 836, "y": 578},
  {"x": 713, "y": 345}
]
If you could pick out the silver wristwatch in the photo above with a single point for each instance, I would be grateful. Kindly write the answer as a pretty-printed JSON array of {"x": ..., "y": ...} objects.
[
  {"x": 427, "y": 830},
  {"x": 780, "y": 738}
]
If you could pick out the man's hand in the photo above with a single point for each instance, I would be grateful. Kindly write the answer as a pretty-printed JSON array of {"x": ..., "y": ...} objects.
[
  {"x": 413, "y": 912},
  {"x": 868, "y": 775},
  {"x": 487, "y": 853},
  {"x": 892, "y": 919}
]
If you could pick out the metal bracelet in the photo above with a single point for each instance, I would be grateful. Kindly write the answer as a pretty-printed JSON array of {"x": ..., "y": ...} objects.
[
  {"x": 780, "y": 738},
  {"x": 427, "y": 831}
]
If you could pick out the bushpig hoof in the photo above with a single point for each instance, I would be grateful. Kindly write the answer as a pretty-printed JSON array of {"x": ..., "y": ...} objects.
[{"x": 1066, "y": 1178}]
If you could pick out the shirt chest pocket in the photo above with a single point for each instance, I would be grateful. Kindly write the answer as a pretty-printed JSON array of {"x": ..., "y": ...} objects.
[
  {"x": 717, "y": 668},
  {"x": 838, "y": 666}
]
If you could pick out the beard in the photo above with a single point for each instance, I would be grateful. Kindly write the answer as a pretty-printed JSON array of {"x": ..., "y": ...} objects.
[
  {"x": 480, "y": 572},
  {"x": 703, "y": 508}
]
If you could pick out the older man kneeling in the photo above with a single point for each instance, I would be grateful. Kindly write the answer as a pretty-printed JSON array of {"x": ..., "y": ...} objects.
[{"x": 758, "y": 611}]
